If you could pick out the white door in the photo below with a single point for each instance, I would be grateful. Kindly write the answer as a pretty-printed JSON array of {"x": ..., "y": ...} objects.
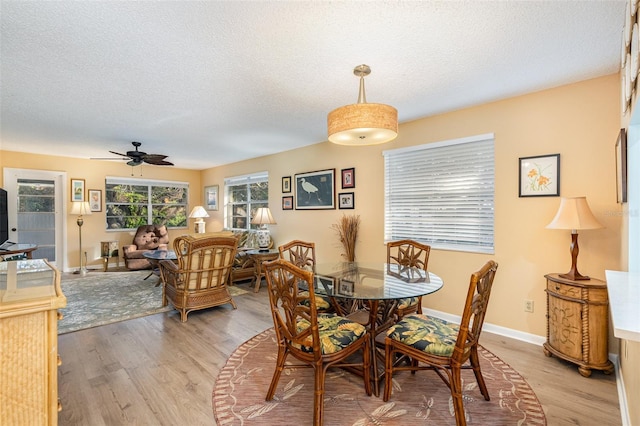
[{"x": 35, "y": 204}]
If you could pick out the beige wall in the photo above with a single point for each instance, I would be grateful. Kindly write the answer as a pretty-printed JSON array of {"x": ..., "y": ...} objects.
[
  {"x": 579, "y": 121},
  {"x": 94, "y": 173}
]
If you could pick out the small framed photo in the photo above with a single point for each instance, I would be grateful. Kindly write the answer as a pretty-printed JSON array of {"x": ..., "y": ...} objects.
[
  {"x": 286, "y": 184},
  {"x": 346, "y": 200},
  {"x": 77, "y": 189},
  {"x": 95, "y": 200},
  {"x": 539, "y": 176},
  {"x": 348, "y": 178},
  {"x": 621, "y": 167},
  {"x": 211, "y": 197},
  {"x": 287, "y": 203}
]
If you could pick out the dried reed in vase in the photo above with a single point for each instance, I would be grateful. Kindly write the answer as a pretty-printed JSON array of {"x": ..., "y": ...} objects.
[{"x": 347, "y": 229}]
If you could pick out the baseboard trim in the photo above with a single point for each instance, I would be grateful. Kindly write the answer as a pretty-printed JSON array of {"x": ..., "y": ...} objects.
[{"x": 491, "y": 328}]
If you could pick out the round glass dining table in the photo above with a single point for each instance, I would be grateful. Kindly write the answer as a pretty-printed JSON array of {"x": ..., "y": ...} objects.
[{"x": 369, "y": 293}]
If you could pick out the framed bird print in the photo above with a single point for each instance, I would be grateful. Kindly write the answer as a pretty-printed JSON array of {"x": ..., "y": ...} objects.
[{"x": 315, "y": 190}]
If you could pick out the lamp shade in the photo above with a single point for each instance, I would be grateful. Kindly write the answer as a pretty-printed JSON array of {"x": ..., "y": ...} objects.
[
  {"x": 80, "y": 208},
  {"x": 263, "y": 217},
  {"x": 198, "y": 212},
  {"x": 362, "y": 123},
  {"x": 574, "y": 213}
]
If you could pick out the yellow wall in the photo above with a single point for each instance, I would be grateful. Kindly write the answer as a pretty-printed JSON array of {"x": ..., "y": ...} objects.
[
  {"x": 94, "y": 173},
  {"x": 579, "y": 121}
]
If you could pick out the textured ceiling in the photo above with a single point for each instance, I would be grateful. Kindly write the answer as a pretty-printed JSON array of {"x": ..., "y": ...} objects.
[{"x": 211, "y": 82}]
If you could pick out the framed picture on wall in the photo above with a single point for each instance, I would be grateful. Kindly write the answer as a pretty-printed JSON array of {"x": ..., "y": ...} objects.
[
  {"x": 345, "y": 200},
  {"x": 621, "y": 167},
  {"x": 286, "y": 184},
  {"x": 95, "y": 200},
  {"x": 348, "y": 178},
  {"x": 211, "y": 197},
  {"x": 287, "y": 203},
  {"x": 77, "y": 189},
  {"x": 315, "y": 190},
  {"x": 539, "y": 176}
]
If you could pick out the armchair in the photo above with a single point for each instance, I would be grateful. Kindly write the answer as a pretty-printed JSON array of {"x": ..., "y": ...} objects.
[
  {"x": 202, "y": 274},
  {"x": 148, "y": 237}
]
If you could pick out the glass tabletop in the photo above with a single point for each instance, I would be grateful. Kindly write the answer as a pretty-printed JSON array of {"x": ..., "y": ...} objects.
[
  {"x": 374, "y": 281},
  {"x": 160, "y": 255}
]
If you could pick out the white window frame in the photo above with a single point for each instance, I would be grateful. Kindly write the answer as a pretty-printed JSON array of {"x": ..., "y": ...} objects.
[
  {"x": 248, "y": 179},
  {"x": 111, "y": 180},
  {"x": 442, "y": 194}
]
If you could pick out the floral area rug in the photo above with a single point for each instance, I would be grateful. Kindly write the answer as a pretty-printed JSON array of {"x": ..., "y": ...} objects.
[
  {"x": 239, "y": 394},
  {"x": 100, "y": 298}
]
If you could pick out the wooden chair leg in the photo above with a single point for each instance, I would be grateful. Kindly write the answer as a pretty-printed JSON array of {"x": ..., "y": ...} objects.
[
  {"x": 475, "y": 364},
  {"x": 389, "y": 355},
  {"x": 318, "y": 396},
  {"x": 282, "y": 356},
  {"x": 456, "y": 394},
  {"x": 366, "y": 364}
]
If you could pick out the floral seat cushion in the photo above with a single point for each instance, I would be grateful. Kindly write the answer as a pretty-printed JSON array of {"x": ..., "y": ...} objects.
[
  {"x": 322, "y": 303},
  {"x": 405, "y": 303},
  {"x": 336, "y": 333},
  {"x": 431, "y": 335}
]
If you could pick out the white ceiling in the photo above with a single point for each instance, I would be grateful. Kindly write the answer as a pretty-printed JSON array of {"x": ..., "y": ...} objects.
[{"x": 212, "y": 82}]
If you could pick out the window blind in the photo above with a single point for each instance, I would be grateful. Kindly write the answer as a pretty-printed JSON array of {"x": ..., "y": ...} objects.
[{"x": 442, "y": 194}]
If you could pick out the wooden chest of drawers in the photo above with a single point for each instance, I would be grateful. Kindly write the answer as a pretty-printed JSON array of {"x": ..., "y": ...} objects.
[
  {"x": 577, "y": 323},
  {"x": 30, "y": 296}
]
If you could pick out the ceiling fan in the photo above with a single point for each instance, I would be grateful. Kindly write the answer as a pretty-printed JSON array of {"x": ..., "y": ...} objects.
[{"x": 136, "y": 157}]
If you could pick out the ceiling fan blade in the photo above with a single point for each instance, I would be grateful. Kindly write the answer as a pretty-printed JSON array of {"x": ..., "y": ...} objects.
[
  {"x": 154, "y": 157},
  {"x": 117, "y": 153},
  {"x": 111, "y": 158},
  {"x": 157, "y": 162}
]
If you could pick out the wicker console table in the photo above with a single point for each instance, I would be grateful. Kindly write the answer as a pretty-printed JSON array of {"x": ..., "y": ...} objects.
[{"x": 30, "y": 296}]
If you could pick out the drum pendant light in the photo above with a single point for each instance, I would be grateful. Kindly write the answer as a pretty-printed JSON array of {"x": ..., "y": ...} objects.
[{"x": 362, "y": 123}]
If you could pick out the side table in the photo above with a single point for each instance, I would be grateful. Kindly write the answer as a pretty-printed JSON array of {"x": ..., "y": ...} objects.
[
  {"x": 258, "y": 257},
  {"x": 109, "y": 249},
  {"x": 154, "y": 257},
  {"x": 577, "y": 323}
]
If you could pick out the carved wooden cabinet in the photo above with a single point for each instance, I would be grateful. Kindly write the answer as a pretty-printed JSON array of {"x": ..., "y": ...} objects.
[
  {"x": 577, "y": 323},
  {"x": 30, "y": 296}
]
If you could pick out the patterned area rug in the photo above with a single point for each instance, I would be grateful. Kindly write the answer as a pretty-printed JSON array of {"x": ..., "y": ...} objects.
[
  {"x": 101, "y": 298},
  {"x": 239, "y": 394}
]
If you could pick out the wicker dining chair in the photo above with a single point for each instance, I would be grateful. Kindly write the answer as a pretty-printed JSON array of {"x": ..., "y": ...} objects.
[
  {"x": 435, "y": 344},
  {"x": 408, "y": 253},
  {"x": 319, "y": 341},
  {"x": 303, "y": 255},
  {"x": 202, "y": 274}
]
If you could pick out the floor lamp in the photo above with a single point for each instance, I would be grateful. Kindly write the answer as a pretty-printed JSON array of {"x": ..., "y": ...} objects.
[{"x": 80, "y": 208}]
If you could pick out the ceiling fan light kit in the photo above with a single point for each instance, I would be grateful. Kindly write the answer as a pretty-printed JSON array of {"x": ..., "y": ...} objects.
[{"x": 362, "y": 123}]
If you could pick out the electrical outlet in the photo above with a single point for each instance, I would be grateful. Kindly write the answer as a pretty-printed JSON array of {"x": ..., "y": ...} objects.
[{"x": 528, "y": 305}]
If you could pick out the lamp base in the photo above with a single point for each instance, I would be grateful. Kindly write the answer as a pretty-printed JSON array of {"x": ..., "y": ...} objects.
[
  {"x": 574, "y": 276},
  {"x": 200, "y": 227},
  {"x": 264, "y": 240}
]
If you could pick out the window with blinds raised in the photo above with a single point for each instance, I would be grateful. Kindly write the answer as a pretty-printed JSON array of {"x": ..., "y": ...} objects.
[
  {"x": 243, "y": 196},
  {"x": 442, "y": 194},
  {"x": 131, "y": 203}
]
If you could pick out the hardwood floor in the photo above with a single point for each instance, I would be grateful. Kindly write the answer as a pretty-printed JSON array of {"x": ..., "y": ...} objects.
[{"x": 156, "y": 370}]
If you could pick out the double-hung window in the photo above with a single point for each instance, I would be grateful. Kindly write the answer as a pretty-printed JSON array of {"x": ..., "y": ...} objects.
[
  {"x": 442, "y": 194},
  {"x": 243, "y": 196},
  {"x": 131, "y": 203}
]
